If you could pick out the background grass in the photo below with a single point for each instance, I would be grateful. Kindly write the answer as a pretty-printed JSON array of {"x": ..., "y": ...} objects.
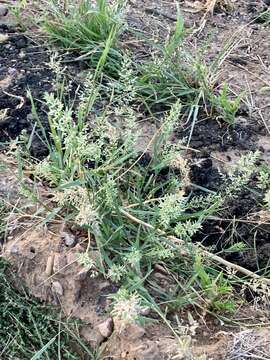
[{"x": 30, "y": 330}]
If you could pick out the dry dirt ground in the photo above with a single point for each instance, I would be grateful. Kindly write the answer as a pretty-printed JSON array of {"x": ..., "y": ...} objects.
[{"x": 41, "y": 256}]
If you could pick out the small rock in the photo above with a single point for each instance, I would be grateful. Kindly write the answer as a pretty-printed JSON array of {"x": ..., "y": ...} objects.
[
  {"x": 22, "y": 55},
  {"x": 21, "y": 42},
  {"x": 57, "y": 288},
  {"x": 14, "y": 250},
  {"x": 131, "y": 331},
  {"x": 92, "y": 336},
  {"x": 106, "y": 328},
  {"x": 145, "y": 311},
  {"x": 3, "y": 38},
  {"x": 69, "y": 238},
  {"x": 3, "y": 11},
  {"x": 49, "y": 266}
]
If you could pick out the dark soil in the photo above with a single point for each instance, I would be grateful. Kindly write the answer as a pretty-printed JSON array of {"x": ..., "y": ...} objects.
[
  {"x": 211, "y": 135},
  {"x": 239, "y": 222},
  {"x": 223, "y": 234},
  {"x": 24, "y": 65}
]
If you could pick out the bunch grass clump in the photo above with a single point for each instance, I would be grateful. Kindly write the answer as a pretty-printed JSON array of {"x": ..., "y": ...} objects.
[
  {"x": 86, "y": 29},
  {"x": 176, "y": 71},
  {"x": 170, "y": 73},
  {"x": 138, "y": 206}
]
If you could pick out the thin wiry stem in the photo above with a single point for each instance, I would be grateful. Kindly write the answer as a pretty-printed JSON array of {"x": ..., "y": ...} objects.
[{"x": 215, "y": 258}]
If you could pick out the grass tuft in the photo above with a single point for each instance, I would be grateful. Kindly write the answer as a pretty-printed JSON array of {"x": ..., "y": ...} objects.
[
  {"x": 85, "y": 29},
  {"x": 134, "y": 203}
]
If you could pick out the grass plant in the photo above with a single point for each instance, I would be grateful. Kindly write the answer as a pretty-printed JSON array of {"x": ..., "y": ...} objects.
[
  {"x": 171, "y": 72},
  {"x": 134, "y": 204},
  {"x": 86, "y": 29}
]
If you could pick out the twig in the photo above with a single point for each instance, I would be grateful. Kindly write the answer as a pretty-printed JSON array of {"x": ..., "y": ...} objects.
[
  {"x": 22, "y": 101},
  {"x": 204, "y": 252},
  {"x": 158, "y": 12}
]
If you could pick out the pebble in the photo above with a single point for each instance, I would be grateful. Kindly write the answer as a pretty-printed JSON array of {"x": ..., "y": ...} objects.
[
  {"x": 3, "y": 38},
  {"x": 3, "y": 11},
  {"x": 145, "y": 311},
  {"x": 92, "y": 336},
  {"x": 131, "y": 331},
  {"x": 14, "y": 250},
  {"x": 106, "y": 328},
  {"x": 21, "y": 43},
  {"x": 22, "y": 55},
  {"x": 49, "y": 266},
  {"x": 69, "y": 238},
  {"x": 57, "y": 288}
]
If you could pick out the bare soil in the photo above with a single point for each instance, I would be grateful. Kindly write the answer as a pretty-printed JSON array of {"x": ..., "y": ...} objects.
[{"x": 24, "y": 65}]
